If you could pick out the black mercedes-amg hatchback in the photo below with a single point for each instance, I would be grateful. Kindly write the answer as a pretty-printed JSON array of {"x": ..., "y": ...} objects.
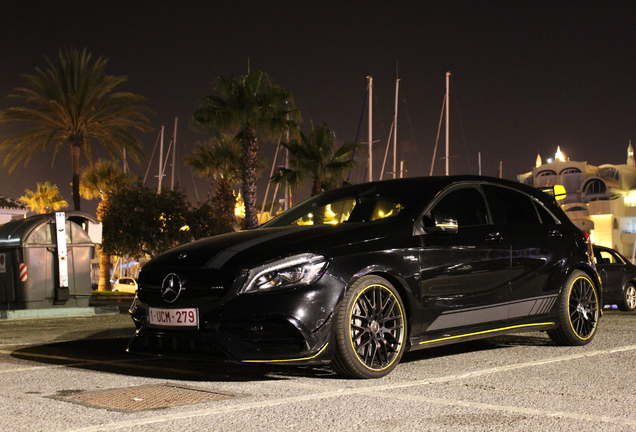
[{"x": 357, "y": 276}]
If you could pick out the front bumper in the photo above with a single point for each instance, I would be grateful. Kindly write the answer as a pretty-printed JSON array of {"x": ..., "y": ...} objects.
[{"x": 290, "y": 326}]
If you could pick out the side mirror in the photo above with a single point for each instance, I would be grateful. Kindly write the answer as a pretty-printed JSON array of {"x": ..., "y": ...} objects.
[{"x": 441, "y": 223}]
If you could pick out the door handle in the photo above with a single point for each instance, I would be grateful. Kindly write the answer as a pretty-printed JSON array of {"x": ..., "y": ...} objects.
[
  {"x": 555, "y": 233},
  {"x": 494, "y": 237}
]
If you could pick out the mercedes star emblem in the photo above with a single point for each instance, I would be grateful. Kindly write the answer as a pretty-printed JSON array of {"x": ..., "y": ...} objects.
[{"x": 171, "y": 288}]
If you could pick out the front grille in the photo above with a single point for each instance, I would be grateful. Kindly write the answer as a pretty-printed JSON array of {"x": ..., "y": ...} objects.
[
  {"x": 187, "y": 298},
  {"x": 200, "y": 287}
]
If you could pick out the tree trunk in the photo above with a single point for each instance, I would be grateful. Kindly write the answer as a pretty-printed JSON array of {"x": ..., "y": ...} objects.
[
  {"x": 316, "y": 187},
  {"x": 104, "y": 272},
  {"x": 75, "y": 156},
  {"x": 248, "y": 174},
  {"x": 104, "y": 257},
  {"x": 224, "y": 203}
]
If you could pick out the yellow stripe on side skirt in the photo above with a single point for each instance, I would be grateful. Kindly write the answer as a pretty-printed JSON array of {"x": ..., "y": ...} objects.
[{"x": 487, "y": 331}]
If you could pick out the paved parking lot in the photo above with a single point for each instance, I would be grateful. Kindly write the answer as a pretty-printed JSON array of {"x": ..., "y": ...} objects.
[{"x": 72, "y": 374}]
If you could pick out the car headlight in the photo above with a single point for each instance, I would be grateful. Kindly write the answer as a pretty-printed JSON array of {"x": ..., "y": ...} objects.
[{"x": 296, "y": 270}]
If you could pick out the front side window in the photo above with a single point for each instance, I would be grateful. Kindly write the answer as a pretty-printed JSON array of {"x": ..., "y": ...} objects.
[{"x": 466, "y": 205}]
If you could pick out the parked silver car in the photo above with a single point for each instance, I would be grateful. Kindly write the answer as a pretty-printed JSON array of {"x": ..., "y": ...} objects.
[{"x": 126, "y": 284}]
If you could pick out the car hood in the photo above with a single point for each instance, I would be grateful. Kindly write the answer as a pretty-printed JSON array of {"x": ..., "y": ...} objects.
[{"x": 244, "y": 249}]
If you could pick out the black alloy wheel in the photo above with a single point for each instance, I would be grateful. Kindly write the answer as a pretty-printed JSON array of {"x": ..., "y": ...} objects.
[
  {"x": 370, "y": 329},
  {"x": 578, "y": 311},
  {"x": 628, "y": 303}
]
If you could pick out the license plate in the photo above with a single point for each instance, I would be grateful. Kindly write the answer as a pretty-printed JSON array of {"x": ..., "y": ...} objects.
[{"x": 188, "y": 317}]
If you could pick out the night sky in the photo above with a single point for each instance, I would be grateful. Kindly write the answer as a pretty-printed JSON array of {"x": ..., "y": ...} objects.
[{"x": 527, "y": 76}]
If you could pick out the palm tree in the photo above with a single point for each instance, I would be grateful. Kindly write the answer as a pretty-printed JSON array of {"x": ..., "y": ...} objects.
[
  {"x": 100, "y": 181},
  {"x": 219, "y": 158},
  {"x": 316, "y": 157},
  {"x": 251, "y": 105},
  {"x": 73, "y": 103},
  {"x": 47, "y": 198}
]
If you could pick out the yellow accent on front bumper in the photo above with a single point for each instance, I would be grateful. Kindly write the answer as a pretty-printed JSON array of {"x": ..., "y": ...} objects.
[{"x": 288, "y": 360}]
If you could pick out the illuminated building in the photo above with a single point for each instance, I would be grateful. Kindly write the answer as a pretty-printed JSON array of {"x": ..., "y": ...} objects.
[
  {"x": 600, "y": 200},
  {"x": 11, "y": 209}
]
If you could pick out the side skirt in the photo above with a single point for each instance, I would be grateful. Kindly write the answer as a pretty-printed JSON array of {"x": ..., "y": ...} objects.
[{"x": 440, "y": 339}]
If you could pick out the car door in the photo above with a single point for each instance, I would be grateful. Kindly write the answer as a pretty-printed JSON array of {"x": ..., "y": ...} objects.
[
  {"x": 464, "y": 274},
  {"x": 538, "y": 244},
  {"x": 612, "y": 271}
]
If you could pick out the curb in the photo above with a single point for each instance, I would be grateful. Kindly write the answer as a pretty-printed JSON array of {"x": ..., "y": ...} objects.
[{"x": 58, "y": 312}]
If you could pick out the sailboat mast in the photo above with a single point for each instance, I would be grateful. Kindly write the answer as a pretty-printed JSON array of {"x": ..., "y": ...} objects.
[
  {"x": 370, "y": 78},
  {"x": 447, "y": 127},
  {"x": 479, "y": 160},
  {"x": 395, "y": 116},
  {"x": 174, "y": 152},
  {"x": 160, "y": 162},
  {"x": 287, "y": 204}
]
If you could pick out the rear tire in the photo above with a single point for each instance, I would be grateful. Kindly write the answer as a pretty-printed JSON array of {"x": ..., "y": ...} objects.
[
  {"x": 578, "y": 311},
  {"x": 628, "y": 303},
  {"x": 370, "y": 329}
]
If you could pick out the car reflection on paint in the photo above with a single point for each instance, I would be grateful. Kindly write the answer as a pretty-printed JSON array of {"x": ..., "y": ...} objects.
[
  {"x": 357, "y": 276},
  {"x": 618, "y": 276}
]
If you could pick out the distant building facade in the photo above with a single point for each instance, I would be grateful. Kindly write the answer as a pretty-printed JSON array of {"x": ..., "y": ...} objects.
[
  {"x": 601, "y": 200},
  {"x": 11, "y": 209}
]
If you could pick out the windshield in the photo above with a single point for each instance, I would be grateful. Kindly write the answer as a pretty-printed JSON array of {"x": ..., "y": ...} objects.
[{"x": 364, "y": 203}]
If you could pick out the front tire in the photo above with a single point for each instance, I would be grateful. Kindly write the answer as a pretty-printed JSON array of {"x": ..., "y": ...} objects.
[
  {"x": 370, "y": 329},
  {"x": 628, "y": 303},
  {"x": 578, "y": 311}
]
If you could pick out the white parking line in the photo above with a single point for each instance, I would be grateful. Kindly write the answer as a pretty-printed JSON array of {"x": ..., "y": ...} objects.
[
  {"x": 508, "y": 368},
  {"x": 510, "y": 409},
  {"x": 376, "y": 391}
]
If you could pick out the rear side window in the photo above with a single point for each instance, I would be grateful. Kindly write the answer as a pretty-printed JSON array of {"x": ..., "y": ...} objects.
[{"x": 513, "y": 207}]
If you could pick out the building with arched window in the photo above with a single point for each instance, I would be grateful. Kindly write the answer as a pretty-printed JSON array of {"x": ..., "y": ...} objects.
[{"x": 599, "y": 200}]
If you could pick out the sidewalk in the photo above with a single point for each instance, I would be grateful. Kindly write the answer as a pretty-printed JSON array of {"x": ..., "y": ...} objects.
[
  {"x": 97, "y": 305},
  {"x": 121, "y": 302}
]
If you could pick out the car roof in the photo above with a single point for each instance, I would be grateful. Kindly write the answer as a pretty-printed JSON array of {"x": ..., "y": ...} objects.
[{"x": 410, "y": 185}]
